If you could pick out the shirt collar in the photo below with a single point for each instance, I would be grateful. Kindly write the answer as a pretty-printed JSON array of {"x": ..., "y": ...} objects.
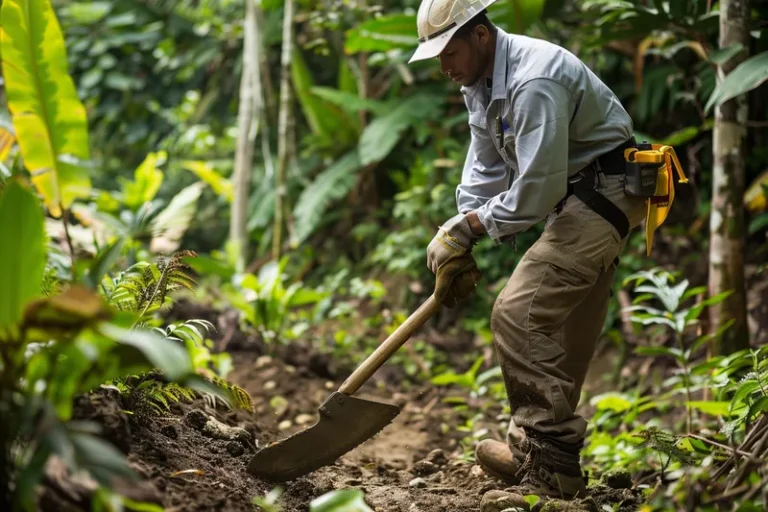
[{"x": 500, "y": 60}]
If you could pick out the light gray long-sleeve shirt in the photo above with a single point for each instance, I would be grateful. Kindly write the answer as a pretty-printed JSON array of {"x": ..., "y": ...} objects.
[{"x": 556, "y": 117}]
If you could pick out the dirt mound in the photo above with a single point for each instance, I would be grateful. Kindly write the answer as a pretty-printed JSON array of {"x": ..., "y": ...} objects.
[{"x": 195, "y": 459}]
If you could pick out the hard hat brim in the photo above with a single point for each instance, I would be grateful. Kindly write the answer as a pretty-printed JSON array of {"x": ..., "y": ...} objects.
[{"x": 432, "y": 47}]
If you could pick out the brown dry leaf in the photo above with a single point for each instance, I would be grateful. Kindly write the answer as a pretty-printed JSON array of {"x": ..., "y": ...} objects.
[{"x": 198, "y": 472}]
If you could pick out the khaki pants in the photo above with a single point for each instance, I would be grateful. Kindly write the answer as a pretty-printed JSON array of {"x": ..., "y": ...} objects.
[{"x": 548, "y": 318}]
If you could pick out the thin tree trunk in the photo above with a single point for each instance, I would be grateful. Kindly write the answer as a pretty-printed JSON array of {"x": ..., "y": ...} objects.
[
  {"x": 284, "y": 128},
  {"x": 726, "y": 265},
  {"x": 247, "y": 130}
]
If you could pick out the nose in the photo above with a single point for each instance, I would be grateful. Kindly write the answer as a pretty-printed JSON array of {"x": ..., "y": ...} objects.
[{"x": 443, "y": 65}]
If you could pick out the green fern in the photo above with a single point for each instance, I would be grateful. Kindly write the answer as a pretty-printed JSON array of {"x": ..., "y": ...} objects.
[
  {"x": 240, "y": 397},
  {"x": 664, "y": 442},
  {"x": 144, "y": 287},
  {"x": 151, "y": 396}
]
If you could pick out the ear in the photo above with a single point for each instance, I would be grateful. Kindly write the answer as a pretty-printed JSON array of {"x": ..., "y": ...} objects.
[{"x": 482, "y": 33}]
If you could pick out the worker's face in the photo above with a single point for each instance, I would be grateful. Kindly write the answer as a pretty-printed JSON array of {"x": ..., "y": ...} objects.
[{"x": 465, "y": 59}]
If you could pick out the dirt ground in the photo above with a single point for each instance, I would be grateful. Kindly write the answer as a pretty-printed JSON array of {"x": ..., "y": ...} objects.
[{"x": 413, "y": 465}]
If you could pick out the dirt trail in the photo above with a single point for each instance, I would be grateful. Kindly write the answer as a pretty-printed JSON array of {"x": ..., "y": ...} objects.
[{"x": 186, "y": 468}]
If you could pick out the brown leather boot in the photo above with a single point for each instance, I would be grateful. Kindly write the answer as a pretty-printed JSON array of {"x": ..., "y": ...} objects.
[
  {"x": 553, "y": 469},
  {"x": 497, "y": 460}
]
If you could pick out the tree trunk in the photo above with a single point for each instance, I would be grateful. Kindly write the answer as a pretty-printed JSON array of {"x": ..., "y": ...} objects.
[
  {"x": 285, "y": 123},
  {"x": 726, "y": 265},
  {"x": 248, "y": 115}
]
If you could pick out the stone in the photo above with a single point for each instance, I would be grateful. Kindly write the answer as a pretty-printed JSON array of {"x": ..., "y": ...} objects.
[
  {"x": 424, "y": 467},
  {"x": 213, "y": 428},
  {"x": 304, "y": 418},
  {"x": 497, "y": 501},
  {"x": 170, "y": 432},
  {"x": 562, "y": 506},
  {"x": 235, "y": 449},
  {"x": 418, "y": 483},
  {"x": 618, "y": 478},
  {"x": 437, "y": 456}
]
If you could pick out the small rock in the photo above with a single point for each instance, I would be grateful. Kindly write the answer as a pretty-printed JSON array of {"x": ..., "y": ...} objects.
[
  {"x": 437, "y": 477},
  {"x": 477, "y": 471},
  {"x": 235, "y": 449},
  {"x": 269, "y": 385},
  {"x": 289, "y": 369},
  {"x": 329, "y": 385},
  {"x": 215, "y": 429},
  {"x": 169, "y": 431},
  {"x": 263, "y": 361},
  {"x": 562, "y": 506},
  {"x": 302, "y": 419},
  {"x": 418, "y": 483},
  {"x": 437, "y": 456},
  {"x": 497, "y": 501},
  {"x": 284, "y": 425},
  {"x": 618, "y": 478},
  {"x": 424, "y": 467}
]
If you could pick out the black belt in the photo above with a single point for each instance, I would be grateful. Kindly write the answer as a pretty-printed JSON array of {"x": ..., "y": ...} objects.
[{"x": 611, "y": 163}]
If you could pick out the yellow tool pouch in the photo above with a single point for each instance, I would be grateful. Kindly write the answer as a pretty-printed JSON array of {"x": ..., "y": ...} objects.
[{"x": 650, "y": 174}]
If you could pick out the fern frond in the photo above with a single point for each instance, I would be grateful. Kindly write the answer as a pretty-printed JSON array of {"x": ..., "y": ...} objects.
[
  {"x": 241, "y": 398},
  {"x": 664, "y": 442}
]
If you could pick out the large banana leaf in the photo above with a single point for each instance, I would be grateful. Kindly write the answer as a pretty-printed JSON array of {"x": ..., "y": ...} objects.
[
  {"x": 746, "y": 76},
  {"x": 49, "y": 119}
]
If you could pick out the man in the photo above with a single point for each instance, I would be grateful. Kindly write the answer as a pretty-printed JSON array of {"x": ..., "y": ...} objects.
[{"x": 547, "y": 140}]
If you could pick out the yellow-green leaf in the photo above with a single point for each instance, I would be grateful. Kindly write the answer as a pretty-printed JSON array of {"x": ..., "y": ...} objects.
[
  {"x": 48, "y": 117},
  {"x": 755, "y": 196},
  {"x": 6, "y": 143},
  {"x": 146, "y": 181},
  {"x": 203, "y": 170}
]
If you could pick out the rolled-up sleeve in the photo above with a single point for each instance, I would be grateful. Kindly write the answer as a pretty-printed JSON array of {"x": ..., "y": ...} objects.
[
  {"x": 539, "y": 120},
  {"x": 485, "y": 173}
]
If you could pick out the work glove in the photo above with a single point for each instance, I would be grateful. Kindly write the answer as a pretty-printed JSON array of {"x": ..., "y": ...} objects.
[
  {"x": 456, "y": 280},
  {"x": 449, "y": 256}
]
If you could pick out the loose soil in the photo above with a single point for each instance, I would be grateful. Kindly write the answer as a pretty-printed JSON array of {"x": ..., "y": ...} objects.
[{"x": 185, "y": 469}]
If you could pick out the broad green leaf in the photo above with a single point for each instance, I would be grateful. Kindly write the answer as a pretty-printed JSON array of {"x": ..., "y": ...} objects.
[
  {"x": 170, "y": 224},
  {"x": 218, "y": 183},
  {"x": 348, "y": 101},
  {"x": 146, "y": 181},
  {"x": 330, "y": 185},
  {"x": 758, "y": 223},
  {"x": 103, "y": 262},
  {"x": 611, "y": 402},
  {"x": 167, "y": 356},
  {"x": 744, "y": 391},
  {"x": 326, "y": 120},
  {"x": 23, "y": 259},
  {"x": 711, "y": 407},
  {"x": 48, "y": 117},
  {"x": 341, "y": 500},
  {"x": 722, "y": 55},
  {"x": 383, "y": 133},
  {"x": 86, "y": 13},
  {"x": 745, "y": 77},
  {"x": 383, "y": 34}
]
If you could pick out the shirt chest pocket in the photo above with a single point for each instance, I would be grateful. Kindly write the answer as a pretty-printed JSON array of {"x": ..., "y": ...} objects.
[{"x": 508, "y": 149}]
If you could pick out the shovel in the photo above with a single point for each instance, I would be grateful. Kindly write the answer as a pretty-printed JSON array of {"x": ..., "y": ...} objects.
[{"x": 345, "y": 421}]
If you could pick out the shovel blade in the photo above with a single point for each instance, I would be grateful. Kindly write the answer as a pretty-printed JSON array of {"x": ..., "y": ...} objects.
[{"x": 344, "y": 423}]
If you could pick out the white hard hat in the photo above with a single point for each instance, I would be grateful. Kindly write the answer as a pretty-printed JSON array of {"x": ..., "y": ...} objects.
[{"x": 438, "y": 20}]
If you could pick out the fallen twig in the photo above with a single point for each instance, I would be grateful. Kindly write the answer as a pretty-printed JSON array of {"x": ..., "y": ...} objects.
[{"x": 731, "y": 449}]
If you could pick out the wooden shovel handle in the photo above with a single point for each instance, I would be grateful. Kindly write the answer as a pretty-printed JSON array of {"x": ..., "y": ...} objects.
[{"x": 390, "y": 346}]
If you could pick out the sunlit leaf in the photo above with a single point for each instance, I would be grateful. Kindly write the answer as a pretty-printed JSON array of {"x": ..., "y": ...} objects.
[
  {"x": 146, "y": 181},
  {"x": 218, "y": 183},
  {"x": 23, "y": 259},
  {"x": 341, "y": 500},
  {"x": 745, "y": 77},
  {"x": 756, "y": 195},
  {"x": 382, "y": 34},
  {"x": 170, "y": 224},
  {"x": 48, "y": 116},
  {"x": 711, "y": 407}
]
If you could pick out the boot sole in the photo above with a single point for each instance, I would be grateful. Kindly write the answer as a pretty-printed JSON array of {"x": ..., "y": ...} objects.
[{"x": 511, "y": 480}]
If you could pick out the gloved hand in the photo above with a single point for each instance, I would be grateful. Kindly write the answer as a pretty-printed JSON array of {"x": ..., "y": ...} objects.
[
  {"x": 454, "y": 238},
  {"x": 449, "y": 257},
  {"x": 449, "y": 291}
]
